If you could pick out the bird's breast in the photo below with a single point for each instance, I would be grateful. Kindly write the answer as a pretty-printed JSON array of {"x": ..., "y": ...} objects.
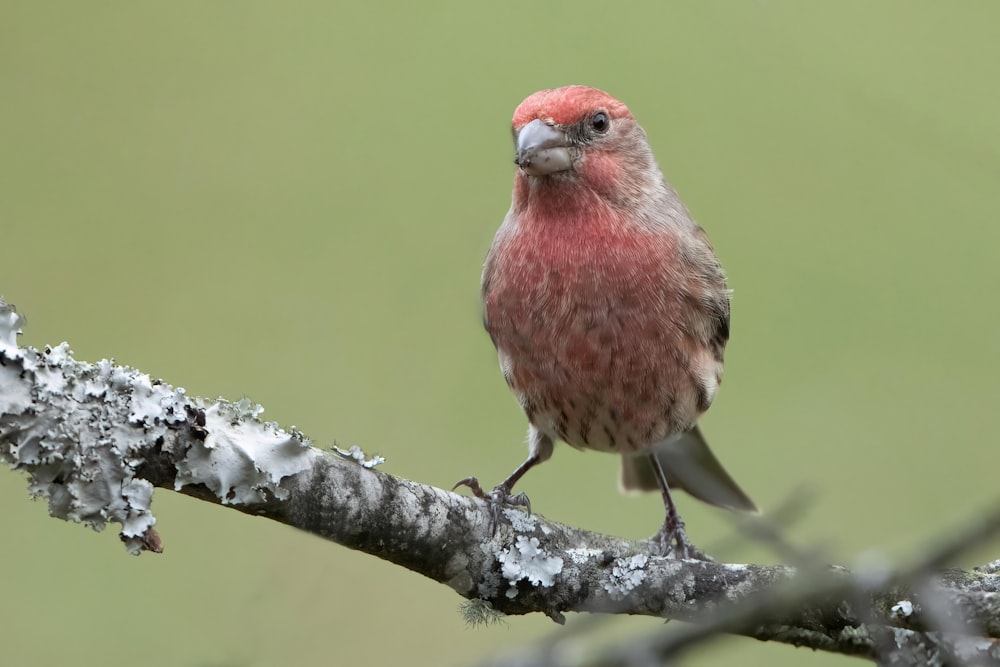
[{"x": 591, "y": 336}]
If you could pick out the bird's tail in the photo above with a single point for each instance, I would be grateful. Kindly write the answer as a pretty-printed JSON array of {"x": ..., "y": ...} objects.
[{"x": 689, "y": 465}]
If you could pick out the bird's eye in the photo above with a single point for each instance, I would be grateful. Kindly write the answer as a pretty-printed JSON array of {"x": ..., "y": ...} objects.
[{"x": 600, "y": 122}]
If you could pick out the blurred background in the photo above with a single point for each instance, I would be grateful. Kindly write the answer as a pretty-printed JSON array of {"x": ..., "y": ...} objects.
[{"x": 292, "y": 201}]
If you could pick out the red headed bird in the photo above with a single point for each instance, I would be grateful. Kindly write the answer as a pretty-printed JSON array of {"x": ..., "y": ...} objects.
[{"x": 607, "y": 305}]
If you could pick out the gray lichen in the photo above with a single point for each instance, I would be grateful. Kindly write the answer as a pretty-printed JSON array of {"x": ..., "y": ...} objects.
[
  {"x": 80, "y": 431},
  {"x": 526, "y": 559}
]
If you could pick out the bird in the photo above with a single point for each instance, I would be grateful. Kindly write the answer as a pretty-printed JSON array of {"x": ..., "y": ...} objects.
[{"x": 608, "y": 307}]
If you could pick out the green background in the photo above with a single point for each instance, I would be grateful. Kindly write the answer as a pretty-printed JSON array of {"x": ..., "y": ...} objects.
[{"x": 291, "y": 202}]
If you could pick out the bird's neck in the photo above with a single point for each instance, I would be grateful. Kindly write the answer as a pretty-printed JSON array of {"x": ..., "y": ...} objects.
[
  {"x": 562, "y": 200},
  {"x": 573, "y": 203}
]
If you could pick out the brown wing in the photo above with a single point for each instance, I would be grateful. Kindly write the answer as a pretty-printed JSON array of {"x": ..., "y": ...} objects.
[
  {"x": 715, "y": 295},
  {"x": 484, "y": 288}
]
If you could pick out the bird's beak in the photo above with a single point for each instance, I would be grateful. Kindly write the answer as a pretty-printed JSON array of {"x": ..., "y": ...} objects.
[{"x": 542, "y": 149}]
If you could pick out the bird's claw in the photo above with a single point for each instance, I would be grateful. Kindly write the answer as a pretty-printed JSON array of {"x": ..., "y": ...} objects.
[
  {"x": 672, "y": 540},
  {"x": 520, "y": 500},
  {"x": 497, "y": 499},
  {"x": 473, "y": 485}
]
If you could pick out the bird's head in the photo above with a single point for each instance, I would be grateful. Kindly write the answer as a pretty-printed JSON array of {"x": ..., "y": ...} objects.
[{"x": 582, "y": 135}]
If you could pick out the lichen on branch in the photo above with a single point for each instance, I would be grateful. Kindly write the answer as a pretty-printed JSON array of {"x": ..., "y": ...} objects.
[{"x": 82, "y": 431}]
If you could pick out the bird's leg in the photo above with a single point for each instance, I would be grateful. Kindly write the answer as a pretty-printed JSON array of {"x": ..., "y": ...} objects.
[
  {"x": 501, "y": 495},
  {"x": 672, "y": 537}
]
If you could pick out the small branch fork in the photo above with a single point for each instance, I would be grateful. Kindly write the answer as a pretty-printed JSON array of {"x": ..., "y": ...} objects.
[{"x": 95, "y": 439}]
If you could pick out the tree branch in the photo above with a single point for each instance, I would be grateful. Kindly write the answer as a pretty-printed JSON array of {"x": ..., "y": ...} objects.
[{"x": 95, "y": 439}]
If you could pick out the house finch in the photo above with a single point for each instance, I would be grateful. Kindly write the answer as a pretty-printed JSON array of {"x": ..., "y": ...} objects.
[{"x": 607, "y": 306}]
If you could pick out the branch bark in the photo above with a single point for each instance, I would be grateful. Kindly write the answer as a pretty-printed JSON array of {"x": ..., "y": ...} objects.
[{"x": 95, "y": 439}]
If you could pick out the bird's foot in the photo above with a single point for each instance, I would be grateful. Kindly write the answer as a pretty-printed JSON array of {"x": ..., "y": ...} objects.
[
  {"x": 672, "y": 540},
  {"x": 497, "y": 499}
]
